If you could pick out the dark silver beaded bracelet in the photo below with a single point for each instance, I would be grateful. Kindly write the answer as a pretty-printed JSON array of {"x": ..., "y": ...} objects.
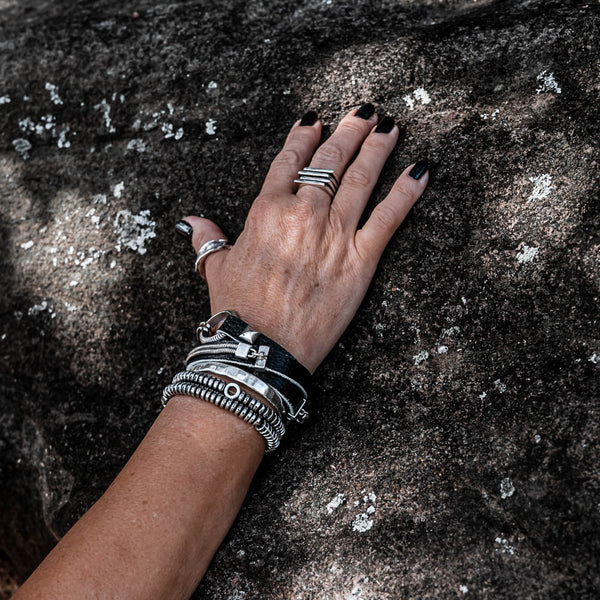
[{"x": 210, "y": 392}]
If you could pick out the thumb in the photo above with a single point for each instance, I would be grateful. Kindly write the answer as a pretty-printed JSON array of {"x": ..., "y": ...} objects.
[{"x": 199, "y": 231}]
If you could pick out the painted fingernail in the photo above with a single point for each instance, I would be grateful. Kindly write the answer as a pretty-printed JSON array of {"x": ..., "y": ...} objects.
[
  {"x": 419, "y": 169},
  {"x": 184, "y": 229},
  {"x": 310, "y": 118},
  {"x": 385, "y": 125},
  {"x": 365, "y": 112}
]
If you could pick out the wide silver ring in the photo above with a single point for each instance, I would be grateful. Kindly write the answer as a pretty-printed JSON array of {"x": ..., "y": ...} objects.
[
  {"x": 207, "y": 249},
  {"x": 323, "y": 178}
]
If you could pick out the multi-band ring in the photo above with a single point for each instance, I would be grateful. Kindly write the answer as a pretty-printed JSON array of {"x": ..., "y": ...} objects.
[
  {"x": 324, "y": 178},
  {"x": 207, "y": 249}
]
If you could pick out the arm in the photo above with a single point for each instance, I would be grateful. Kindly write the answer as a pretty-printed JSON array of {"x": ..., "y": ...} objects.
[{"x": 297, "y": 273}]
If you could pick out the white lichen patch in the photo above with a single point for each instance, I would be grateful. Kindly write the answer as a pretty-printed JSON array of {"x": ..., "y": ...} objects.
[
  {"x": 133, "y": 231},
  {"x": 463, "y": 589},
  {"x": 170, "y": 132},
  {"x": 542, "y": 187},
  {"x": 53, "y": 89},
  {"x": 104, "y": 108},
  {"x": 117, "y": 189},
  {"x": 63, "y": 142},
  {"x": 450, "y": 332},
  {"x": 418, "y": 95},
  {"x": 505, "y": 546},
  {"x": 421, "y": 95},
  {"x": 137, "y": 144},
  {"x": 507, "y": 489},
  {"x": 22, "y": 146},
  {"x": 362, "y": 523},
  {"x": 210, "y": 127},
  {"x": 5, "y": 100},
  {"x": 442, "y": 349},
  {"x": 527, "y": 254},
  {"x": 594, "y": 358},
  {"x": 27, "y": 245},
  {"x": 547, "y": 83},
  {"x": 337, "y": 501},
  {"x": 37, "y": 308},
  {"x": 501, "y": 387},
  {"x": 491, "y": 116},
  {"x": 420, "y": 357}
]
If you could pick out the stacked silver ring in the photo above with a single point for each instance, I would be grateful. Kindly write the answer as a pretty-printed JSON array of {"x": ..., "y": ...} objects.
[{"x": 323, "y": 178}]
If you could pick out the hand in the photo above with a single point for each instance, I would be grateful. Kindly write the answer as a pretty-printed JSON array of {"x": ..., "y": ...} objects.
[{"x": 300, "y": 268}]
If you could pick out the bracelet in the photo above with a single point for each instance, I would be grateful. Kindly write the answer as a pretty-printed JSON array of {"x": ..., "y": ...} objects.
[
  {"x": 236, "y": 407},
  {"x": 233, "y": 391},
  {"x": 230, "y": 397},
  {"x": 226, "y": 338}
]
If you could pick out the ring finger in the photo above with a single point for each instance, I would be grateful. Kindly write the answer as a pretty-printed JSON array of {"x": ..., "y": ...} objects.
[{"x": 339, "y": 149}]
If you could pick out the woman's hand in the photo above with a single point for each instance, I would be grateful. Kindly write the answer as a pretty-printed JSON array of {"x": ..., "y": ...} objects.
[{"x": 300, "y": 269}]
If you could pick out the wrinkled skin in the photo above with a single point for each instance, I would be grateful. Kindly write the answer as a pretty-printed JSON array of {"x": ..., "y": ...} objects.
[{"x": 301, "y": 267}]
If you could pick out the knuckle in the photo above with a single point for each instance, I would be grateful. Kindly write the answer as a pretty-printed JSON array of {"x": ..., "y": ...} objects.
[
  {"x": 358, "y": 177},
  {"x": 303, "y": 211},
  {"x": 353, "y": 126},
  {"x": 375, "y": 144},
  {"x": 330, "y": 154},
  {"x": 403, "y": 195},
  {"x": 288, "y": 157},
  {"x": 385, "y": 217}
]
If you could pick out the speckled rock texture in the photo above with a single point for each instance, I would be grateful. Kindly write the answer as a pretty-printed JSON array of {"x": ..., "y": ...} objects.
[{"x": 453, "y": 445}]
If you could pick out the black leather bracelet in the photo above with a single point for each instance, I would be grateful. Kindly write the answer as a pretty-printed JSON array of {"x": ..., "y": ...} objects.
[{"x": 233, "y": 339}]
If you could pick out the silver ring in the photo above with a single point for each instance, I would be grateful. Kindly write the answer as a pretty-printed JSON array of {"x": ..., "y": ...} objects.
[
  {"x": 323, "y": 178},
  {"x": 207, "y": 249}
]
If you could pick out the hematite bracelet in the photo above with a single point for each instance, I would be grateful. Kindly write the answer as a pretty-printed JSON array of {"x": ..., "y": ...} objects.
[
  {"x": 233, "y": 391},
  {"x": 238, "y": 403}
]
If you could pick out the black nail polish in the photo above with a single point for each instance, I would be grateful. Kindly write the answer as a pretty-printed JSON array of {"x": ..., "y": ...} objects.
[
  {"x": 385, "y": 125},
  {"x": 419, "y": 169},
  {"x": 185, "y": 229},
  {"x": 365, "y": 112},
  {"x": 310, "y": 118}
]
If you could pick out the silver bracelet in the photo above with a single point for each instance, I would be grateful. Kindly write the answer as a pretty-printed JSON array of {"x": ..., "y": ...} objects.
[
  {"x": 231, "y": 390},
  {"x": 273, "y": 396},
  {"x": 210, "y": 392}
]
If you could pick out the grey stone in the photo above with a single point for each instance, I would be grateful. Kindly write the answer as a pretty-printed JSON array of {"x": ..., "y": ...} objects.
[{"x": 473, "y": 360}]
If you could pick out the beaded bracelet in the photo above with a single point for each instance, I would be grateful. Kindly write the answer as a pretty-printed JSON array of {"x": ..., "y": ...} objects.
[
  {"x": 232, "y": 390},
  {"x": 240, "y": 404}
]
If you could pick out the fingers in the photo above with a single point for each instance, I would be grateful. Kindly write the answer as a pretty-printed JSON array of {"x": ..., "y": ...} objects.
[
  {"x": 204, "y": 230},
  {"x": 297, "y": 150},
  {"x": 371, "y": 240},
  {"x": 339, "y": 149},
  {"x": 362, "y": 175}
]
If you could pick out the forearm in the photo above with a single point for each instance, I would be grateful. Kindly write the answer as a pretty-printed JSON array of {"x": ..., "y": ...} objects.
[{"x": 154, "y": 531}]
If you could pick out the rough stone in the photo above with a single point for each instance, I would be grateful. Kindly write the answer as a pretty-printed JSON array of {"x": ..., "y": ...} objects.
[{"x": 473, "y": 361}]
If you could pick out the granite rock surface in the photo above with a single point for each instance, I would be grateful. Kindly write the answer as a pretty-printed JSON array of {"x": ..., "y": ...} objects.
[{"x": 452, "y": 449}]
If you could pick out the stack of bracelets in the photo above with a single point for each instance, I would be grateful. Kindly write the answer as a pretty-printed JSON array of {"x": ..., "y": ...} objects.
[{"x": 231, "y": 354}]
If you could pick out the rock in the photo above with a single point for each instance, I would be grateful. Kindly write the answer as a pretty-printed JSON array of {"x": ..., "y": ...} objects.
[{"x": 127, "y": 120}]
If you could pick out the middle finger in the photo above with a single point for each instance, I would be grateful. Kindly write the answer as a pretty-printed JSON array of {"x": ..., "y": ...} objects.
[{"x": 339, "y": 149}]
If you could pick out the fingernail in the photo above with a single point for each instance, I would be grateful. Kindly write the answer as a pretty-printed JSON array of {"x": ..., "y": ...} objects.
[
  {"x": 310, "y": 118},
  {"x": 184, "y": 229},
  {"x": 385, "y": 125},
  {"x": 365, "y": 112},
  {"x": 419, "y": 169}
]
